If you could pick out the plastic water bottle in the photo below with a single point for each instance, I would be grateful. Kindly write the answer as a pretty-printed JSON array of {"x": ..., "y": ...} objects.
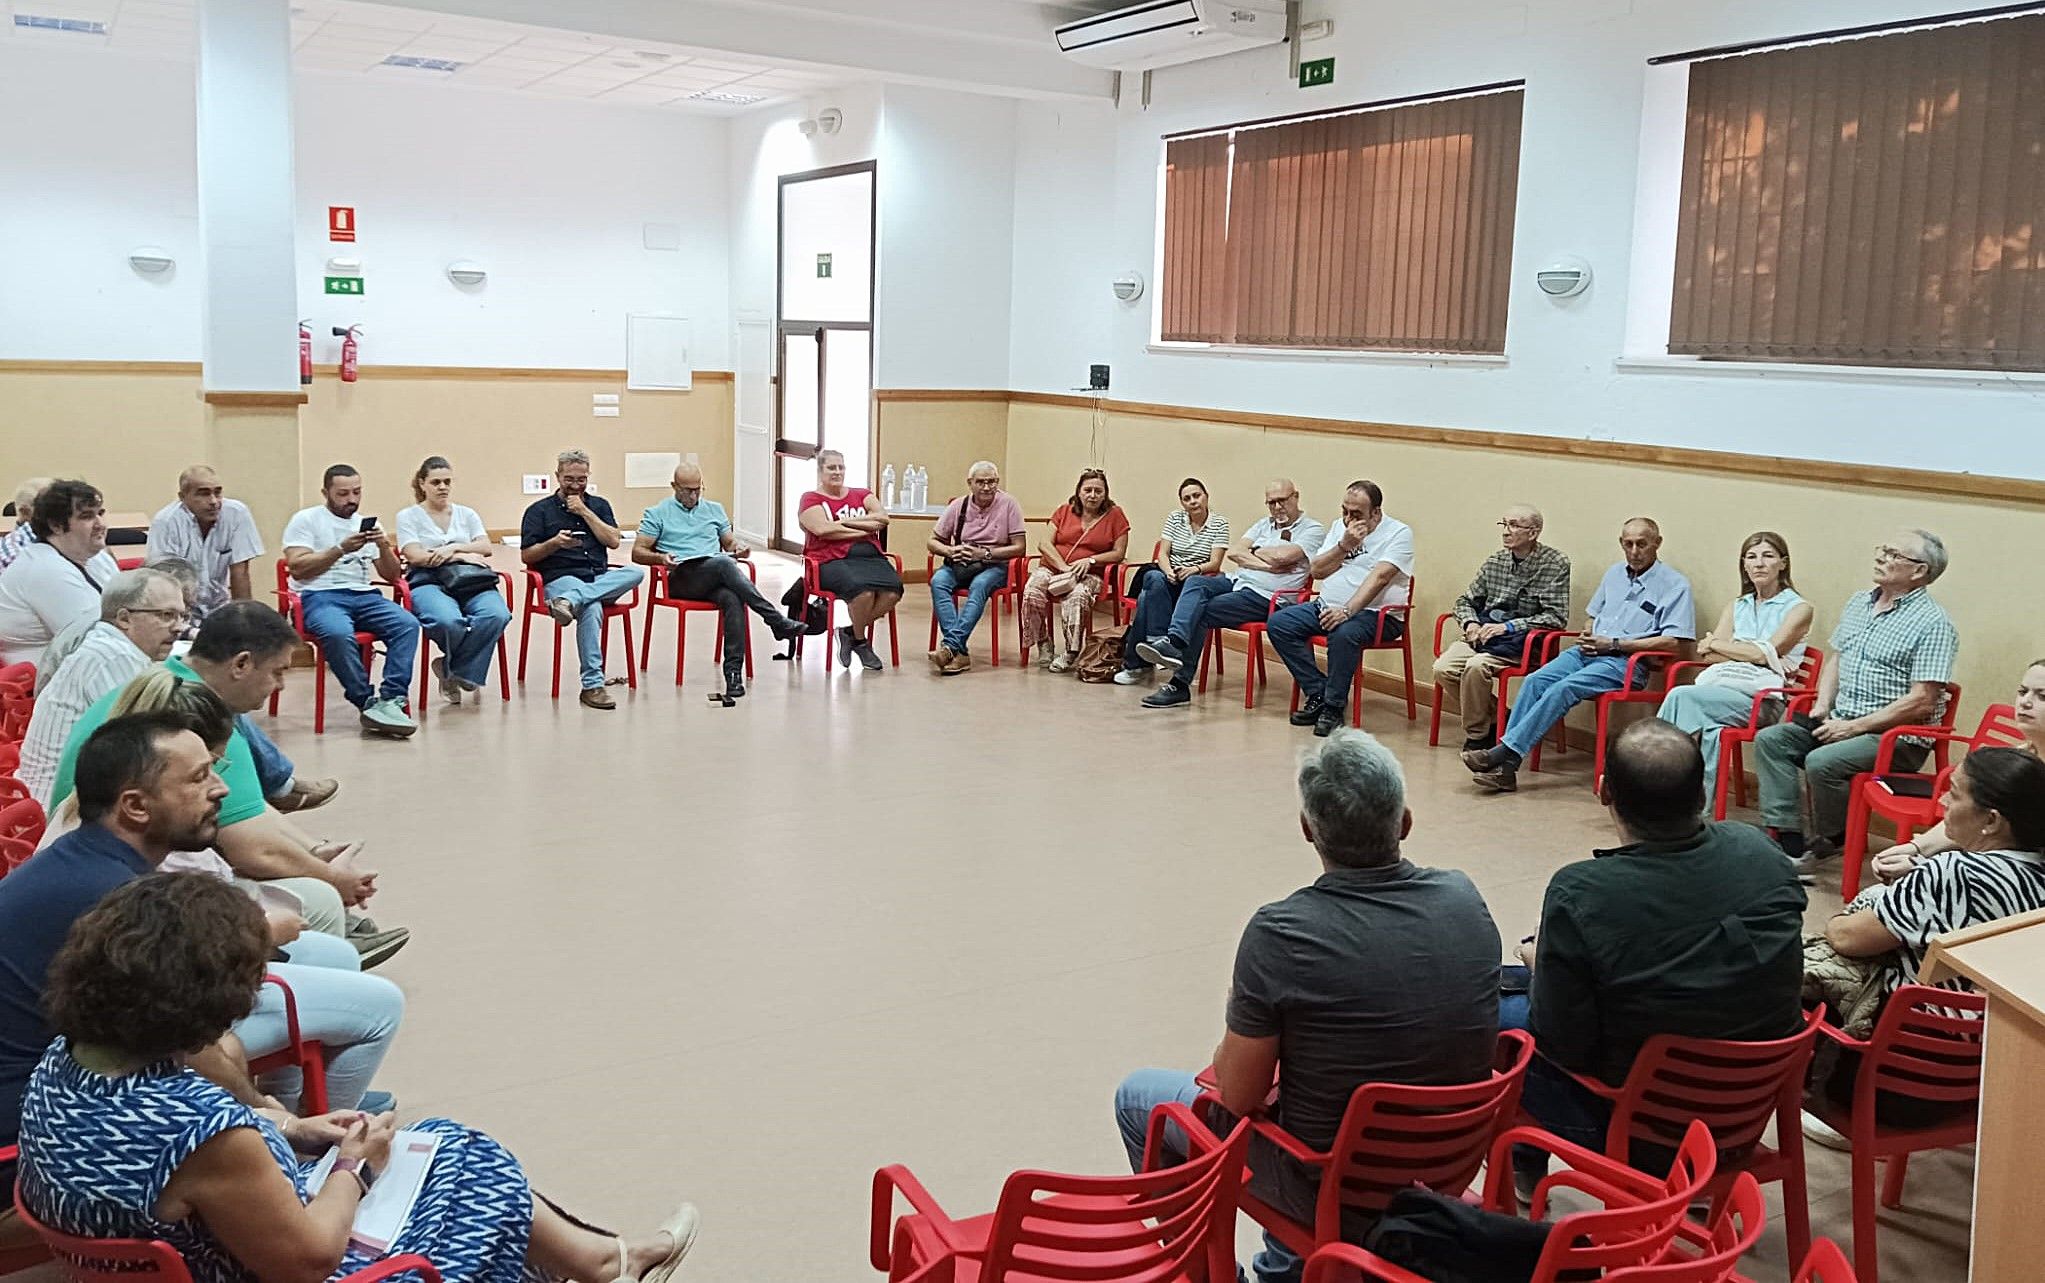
[
  {"x": 887, "y": 486},
  {"x": 922, "y": 488}
]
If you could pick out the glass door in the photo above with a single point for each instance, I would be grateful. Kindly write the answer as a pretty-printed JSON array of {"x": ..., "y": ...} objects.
[{"x": 826, "y": 395}]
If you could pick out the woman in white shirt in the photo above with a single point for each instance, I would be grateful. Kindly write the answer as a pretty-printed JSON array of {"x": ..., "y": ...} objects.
[
  {"x": 455, "y": 591},
  {"x": 56, "y": 580}
]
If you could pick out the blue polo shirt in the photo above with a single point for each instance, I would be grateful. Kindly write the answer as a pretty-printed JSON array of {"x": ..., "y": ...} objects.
[
  {"x": 586, "y": 558},
  {"x": 1654, "y": 603},
  {"x": 38, "y": 903},
  {"x": 687, "y": 533}
]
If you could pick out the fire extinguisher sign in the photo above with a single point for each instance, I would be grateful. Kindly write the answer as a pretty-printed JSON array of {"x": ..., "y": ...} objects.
[{"x": 341, "y": 223}]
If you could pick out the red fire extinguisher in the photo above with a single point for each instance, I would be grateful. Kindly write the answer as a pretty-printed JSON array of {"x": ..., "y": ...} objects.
[
  {"x": 304, "y": 351},
  {"x": 349, "y": 350}
]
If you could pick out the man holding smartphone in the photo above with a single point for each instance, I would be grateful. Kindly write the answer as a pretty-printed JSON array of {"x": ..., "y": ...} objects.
[
  {"x": 568, "y": 537},
  {"x": 330, "y": 553}
]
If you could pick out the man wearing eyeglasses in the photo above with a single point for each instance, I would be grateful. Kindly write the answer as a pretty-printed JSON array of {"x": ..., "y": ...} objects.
[
  {"x": 1521, "y": 588},
  {"x": 1271, "y": 558},
  {"x": 691, "y": 536},
  {"x": 1893, "y": 652}
]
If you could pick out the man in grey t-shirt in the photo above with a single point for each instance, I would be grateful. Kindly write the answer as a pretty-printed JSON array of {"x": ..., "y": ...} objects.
[{"x": 1380, "y": 971}]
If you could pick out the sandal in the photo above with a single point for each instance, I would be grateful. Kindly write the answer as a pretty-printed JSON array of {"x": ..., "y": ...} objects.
[{"x": 681, "y": 1227}]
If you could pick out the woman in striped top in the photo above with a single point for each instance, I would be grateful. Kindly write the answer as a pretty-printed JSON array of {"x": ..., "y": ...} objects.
[{"x": 1193, "y": 540}]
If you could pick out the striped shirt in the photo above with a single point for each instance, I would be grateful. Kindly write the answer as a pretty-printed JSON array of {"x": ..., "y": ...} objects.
[
  {"x": 105, "y": 660},
  {"x": 1881, "y": 656},
  {"x": 1186, "y": 546},
  {"x": 12, "y": 543},
  {"x": 1527, "y": 592},
  {"x": 1945, "y": 893}
]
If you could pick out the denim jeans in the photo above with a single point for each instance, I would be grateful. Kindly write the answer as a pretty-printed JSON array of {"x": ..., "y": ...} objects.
[
  {"x": 955, "y": 625},
  {"x": 465, "y": 631},
  {"x": 1210, "y": 601},
  {"x": 334, "y": 616},
  {"x": 1555, "y": 1100},
  {"x": 1146, "y": 1089},
  {"x": 1292, "y": 632},
  {"x": 1156, "y": 598},
  {"x": 1556, "y": 687},
  {"x": 353, "y": 1016},
  {"x": 273, "y": 769},
  {"x": 588, "y": 597}
]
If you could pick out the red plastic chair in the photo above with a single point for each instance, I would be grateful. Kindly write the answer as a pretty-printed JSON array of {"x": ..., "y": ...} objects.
[
  {"x": 1732, "y": 740},
  {"x": 1173, "y": 1225},
  {"x": 18, "y": 1251},
  {"x": 1122, "y": 592},
  {"x": 308, "y": 1057},
  {"x": 12, "y": 790},
  {"x": 22, "y": 820},
  {"x": 123, "y": 1260},
  {"x": 1734, "y": 1088},
  {"x": 1393, "y": 1137},
  {"x": 813, "y": 587},
  {"x": 404, "y": 595},
  {"x": 1866, "y": 797},
  {"x": 536, "y": 604},
  {"x": 1530, "y": 659},
  {"x": 1111, "y": 592},
  {"x": 1826, "y": 1264},
  {"x": 1253, "y": 644},
  {"x": 292, "y": 607},
  {"x": 657, "y": 596},
  {"x": 1010, "y": 591},
  {"x": 1926, "y": 1046},
  {"x": 1650, "y": 670},
  {"x": 1734, "y": 1230},
  {"x": 13, "y": 852},
  {"x": 10, "y": 758},
  {"x": 1403, "y": 643},
  {"x": 17, "y": 700},
  {"x": 1637, "y": 1225}
]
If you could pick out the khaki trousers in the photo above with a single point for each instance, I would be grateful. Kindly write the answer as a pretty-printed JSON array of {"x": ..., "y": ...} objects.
[{"x": 1474, "y": 678}]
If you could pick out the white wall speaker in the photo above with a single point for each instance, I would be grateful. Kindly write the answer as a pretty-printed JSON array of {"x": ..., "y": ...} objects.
[{"x": 1129, "y": 286}]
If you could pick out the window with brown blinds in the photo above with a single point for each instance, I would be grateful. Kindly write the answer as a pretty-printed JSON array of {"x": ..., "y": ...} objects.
[
  {"x": 1384, "y": 229},
  {"x": 1872, "y": 201}
]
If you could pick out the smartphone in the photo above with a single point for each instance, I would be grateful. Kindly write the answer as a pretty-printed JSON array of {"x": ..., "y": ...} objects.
[{"x": 368, "y": 524}]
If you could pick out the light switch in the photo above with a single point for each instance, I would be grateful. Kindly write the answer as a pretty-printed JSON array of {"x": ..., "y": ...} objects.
[
  {"x": 604, "y": 411},
  {"x": 538, "y": 483}
]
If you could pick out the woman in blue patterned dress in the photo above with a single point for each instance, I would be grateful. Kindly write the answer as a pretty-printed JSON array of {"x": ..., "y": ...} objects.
[{"x": 120, "y": 1140}]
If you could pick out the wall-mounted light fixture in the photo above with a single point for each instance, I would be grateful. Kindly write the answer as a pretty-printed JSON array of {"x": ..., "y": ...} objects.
[
  {"x": 150, "y": 259},
  {"x": 1129, "y": 286},
  {"x": 467, "y": 274}
]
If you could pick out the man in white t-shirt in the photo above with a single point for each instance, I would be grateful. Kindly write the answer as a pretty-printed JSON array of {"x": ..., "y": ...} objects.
[
  {"x": 57, "y": 580},
  {"x": 214, "y": 533},
  {"x": 330, "y": 553},
  {"x": 1364, "y": 565},
  {"x": 1270, "y": 558}
]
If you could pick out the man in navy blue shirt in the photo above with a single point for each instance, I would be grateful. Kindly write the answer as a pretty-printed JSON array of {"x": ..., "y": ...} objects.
[{"x": 567, "y": 537}]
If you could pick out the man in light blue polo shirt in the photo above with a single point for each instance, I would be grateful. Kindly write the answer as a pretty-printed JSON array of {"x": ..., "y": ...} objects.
[
  {"x": 691, "y": 537},
  {"x": 1642, "y": 604}
]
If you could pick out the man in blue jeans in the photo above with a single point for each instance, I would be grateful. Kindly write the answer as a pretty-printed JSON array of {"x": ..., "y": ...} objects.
[
  {"x": 1364, "y": 565},
  {"x": 568, "y": 538},
  {"x": 1642, "y": 604},
  {"x": 979, "y": 533},
  {"x": 330, "y": 554}
]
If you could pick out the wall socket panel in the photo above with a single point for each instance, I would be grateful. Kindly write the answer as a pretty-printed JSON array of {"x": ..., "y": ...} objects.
[
  {"x": 604, "y": 411},
  {"x": 538, "y": 483}
]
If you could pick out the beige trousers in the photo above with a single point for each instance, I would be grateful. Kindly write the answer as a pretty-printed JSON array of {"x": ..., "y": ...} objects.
[{"x": 1474, "y": 678}]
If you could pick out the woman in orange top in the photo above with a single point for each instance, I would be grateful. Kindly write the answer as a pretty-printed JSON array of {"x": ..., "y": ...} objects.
[{"x": 1087, "y": 533}]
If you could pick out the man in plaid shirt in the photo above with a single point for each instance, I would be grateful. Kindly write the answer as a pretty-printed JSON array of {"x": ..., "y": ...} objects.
[
  {"x": 21, "y": 536},
  {"x": 1522, "y": 587},
  {"x": 1893, "y": 653}
]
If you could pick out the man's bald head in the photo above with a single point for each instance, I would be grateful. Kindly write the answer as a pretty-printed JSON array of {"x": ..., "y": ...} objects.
[
  {"x": 688, "y": 484},
  {"x": 198, "y": 474},
  {"x": 1654, "y": 781}
]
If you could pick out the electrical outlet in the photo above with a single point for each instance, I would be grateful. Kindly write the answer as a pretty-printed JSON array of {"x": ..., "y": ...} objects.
[
  {"x": 604, "y": 411},
  {"x": 538, "y": 483}
]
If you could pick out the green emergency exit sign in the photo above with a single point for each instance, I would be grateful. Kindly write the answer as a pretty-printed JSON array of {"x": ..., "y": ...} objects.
[
  {"x": 1321, "y": 71},
  {"x": 344, "y": 285},
  {"x": 823, "y": 266}
]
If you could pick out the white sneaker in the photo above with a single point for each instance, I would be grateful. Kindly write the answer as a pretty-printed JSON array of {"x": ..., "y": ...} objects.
[
  {"x": 388, "y": 717},
  {"x": 1819, "y": 1132},
  {"x": 1131, "y": 677},
  {"x": 450, "y": 688}
]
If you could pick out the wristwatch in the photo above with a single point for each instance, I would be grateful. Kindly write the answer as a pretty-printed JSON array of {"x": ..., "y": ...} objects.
[{"x": 355, "y": 1167}]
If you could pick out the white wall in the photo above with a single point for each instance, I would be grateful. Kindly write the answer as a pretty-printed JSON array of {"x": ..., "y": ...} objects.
[
  {"x": 1584, "y": 64},
  {"x": 549, "y": 196}
]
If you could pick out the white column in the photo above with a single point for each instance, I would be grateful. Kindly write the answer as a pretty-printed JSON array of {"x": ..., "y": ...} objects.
[{"x": 247, "y": 201}]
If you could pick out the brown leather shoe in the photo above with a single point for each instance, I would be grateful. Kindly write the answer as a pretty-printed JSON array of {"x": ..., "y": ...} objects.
[
  {"x": 1499, "y": 779},
  {"x": 598, "y": 697},
  {"x": 957, "y": 664},
  {"x": 307, "y": 795}
]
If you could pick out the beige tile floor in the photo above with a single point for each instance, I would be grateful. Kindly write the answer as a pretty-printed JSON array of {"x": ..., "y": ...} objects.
[{"x": 745, "y": 956}]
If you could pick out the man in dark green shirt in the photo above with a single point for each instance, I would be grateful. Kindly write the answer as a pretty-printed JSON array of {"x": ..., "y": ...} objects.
[{"x": 1688, "y": 928}]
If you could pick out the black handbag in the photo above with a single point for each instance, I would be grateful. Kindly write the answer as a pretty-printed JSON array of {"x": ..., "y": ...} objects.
[
  {"x": 1449, "y": 1241},
  {"x": 460, "y": 580}
]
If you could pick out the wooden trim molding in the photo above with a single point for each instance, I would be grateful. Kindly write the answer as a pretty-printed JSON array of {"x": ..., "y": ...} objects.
[
  {"x": 255, "y": 400},
  {"x": 1861, "y": 475},
  {"x": 100, "y": 367},
  {"x": 469, "y": 372}
]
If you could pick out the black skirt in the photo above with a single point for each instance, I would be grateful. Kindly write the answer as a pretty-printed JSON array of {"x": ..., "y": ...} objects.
[{"x": 863, "y": 569}]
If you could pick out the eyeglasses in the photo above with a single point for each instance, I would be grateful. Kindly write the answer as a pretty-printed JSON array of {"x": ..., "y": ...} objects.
[
  {"x": 172, "y": 617},
  {"x": 1279, "y": 503},
  {"x": 1884, "y": 552},
  {"x": 1517, "y": 525},
  {"x": 688, "y": 490}
]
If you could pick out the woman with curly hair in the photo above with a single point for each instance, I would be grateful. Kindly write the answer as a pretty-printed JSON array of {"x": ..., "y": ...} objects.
[{"x": 120, "y": 1138}]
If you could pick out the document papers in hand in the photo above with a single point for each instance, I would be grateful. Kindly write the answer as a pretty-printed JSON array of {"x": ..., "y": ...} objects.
[{"x": 383, "y": 1212}]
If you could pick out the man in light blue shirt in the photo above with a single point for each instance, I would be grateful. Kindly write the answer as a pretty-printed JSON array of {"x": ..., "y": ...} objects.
[
  {"x": 691, "y": 538},
  {"x": 1642, "y": 604},
  {"x": 1270, "y": 558}
]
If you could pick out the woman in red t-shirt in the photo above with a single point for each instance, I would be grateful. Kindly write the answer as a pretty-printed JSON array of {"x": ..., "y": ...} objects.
[
  {"x": 842, "y": 526},
  {"x": 1089, "y": 532}
]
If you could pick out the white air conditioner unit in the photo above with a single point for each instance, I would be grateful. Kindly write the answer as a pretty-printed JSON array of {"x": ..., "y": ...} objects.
[{"x": 1162, "y": 33}]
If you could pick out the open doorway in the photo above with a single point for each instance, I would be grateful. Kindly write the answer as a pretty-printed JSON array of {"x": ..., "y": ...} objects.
[{"x": 824, "y": 334}]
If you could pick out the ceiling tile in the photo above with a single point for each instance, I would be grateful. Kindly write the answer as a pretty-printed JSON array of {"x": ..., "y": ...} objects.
[
  {"x": 432, "y": 45},
  {"x": 567, "y": 41},
  {"x": 727, "y": 63}
]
